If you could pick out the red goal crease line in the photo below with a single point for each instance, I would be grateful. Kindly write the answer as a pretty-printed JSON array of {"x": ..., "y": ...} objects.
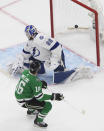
[
  {"x": 9, "y": 4},
  {"x": 10, "y": 15},
  {"x": 79, "y": 55}
]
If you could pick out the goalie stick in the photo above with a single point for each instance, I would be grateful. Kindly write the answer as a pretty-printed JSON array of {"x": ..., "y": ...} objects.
[
  {"x": 78, "y": 28},
  {"x": 74, "y": 30}
]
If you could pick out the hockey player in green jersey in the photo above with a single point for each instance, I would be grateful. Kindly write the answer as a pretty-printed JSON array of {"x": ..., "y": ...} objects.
[{"x": 29, "y": 94}]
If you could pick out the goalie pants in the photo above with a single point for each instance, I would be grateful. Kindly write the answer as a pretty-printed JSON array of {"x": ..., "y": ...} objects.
[{"x": 42, "y": 106}]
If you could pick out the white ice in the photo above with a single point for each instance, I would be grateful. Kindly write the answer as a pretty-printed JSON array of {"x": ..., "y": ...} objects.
[{"x": 86, "y": 94}]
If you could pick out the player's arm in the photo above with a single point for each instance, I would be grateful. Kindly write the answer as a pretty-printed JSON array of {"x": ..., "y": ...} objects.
[
  {"x": 40, "y": 96},
  {"x": 56, "y": 57},
  {"x": 26, "y": 52},
  {"x": 37, "y": 91}
]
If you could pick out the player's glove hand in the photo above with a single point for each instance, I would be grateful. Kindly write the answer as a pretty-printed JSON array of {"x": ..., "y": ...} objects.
[
  {"x": 57, "y": 96},
  {"x": 44, "y": 84}
]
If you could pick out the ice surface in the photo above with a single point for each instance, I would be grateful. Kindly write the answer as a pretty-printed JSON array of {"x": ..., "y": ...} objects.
[{"x": 83, "y": 94}]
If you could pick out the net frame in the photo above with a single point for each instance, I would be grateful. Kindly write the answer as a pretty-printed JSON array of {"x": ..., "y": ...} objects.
[{"x": 96, "y": 25}]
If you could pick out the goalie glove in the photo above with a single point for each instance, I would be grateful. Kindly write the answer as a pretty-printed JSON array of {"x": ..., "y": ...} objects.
[
  {"x": 16, "y": 66},
  {"x": 15, "y": 69},
  {"x": 44, "y": 84},
  {"x": 52, "y": 64},
  {"x": 57, "y": 96}
]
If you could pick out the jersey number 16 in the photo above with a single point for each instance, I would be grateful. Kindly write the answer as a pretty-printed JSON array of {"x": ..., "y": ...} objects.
[{"x": 20, "y": 86}]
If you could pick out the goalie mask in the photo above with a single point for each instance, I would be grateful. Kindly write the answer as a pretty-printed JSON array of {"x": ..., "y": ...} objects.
[{"x": 31, "y": 31}]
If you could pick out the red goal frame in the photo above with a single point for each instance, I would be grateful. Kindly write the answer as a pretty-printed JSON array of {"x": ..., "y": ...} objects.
[{"x": 96, "y": 25}]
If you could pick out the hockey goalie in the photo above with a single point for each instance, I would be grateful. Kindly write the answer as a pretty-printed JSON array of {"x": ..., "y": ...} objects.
[{"x": 49, "y": 53}]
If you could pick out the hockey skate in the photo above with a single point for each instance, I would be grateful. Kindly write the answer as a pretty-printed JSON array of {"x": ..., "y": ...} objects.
[
  {"x": 32, "y": 112},
  {"x": 40, "y": 124}
]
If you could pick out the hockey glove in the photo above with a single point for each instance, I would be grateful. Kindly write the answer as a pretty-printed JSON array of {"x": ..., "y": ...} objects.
[
  {"x": 44, "y": 84},
  {"x": 57, "y": 96}
]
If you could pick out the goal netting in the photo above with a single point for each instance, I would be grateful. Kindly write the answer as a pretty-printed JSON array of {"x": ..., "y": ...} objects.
[{"x": 72, "y": 23}]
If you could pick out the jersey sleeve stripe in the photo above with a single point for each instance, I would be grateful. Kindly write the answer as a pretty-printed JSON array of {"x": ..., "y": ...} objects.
[
  {"x": 26, "y": 52},
  {"x": 55, "y": 46},
  {"x": 23, "y": 100},
  {"x": 39, "y": 96}
]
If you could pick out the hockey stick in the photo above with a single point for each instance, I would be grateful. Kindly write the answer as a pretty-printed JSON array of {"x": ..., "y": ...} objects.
[
  {"x": 74, "y": 30},
  {"x": 81, "y": 111},
  {"x": 78, "y": 28}
]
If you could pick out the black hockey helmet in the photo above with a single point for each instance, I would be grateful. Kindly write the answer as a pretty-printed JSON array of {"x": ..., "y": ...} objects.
[{"x": 34, "y": 67}]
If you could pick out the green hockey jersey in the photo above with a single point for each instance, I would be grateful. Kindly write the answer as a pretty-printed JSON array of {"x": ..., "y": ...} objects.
[{"x": 30, "y": 86}]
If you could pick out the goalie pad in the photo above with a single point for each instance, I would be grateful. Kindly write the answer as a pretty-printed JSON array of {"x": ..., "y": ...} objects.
[
  {"x": 73, "y": 75},
  {"x": 81, "y": 73},
  {"x": 59, "y": 77}
]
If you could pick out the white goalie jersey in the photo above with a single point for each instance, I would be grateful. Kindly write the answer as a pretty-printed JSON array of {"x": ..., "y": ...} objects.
[
  {"x": 42, "y": 48},
  {"x": 49, "y": 52}
]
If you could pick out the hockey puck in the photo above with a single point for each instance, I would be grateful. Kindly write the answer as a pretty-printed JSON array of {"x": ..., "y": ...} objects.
[{"x": 76, "y": 26}]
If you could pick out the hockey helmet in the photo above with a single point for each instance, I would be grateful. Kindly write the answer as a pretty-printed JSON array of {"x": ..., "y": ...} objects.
[
  {"x": 34, "y": 66},
  {"x": 31, "y": 31}
]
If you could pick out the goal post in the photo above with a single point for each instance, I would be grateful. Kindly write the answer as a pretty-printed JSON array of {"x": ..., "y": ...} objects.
[
  {"x": 96, "y": 24},
  {"x": 51, "y": 18}
]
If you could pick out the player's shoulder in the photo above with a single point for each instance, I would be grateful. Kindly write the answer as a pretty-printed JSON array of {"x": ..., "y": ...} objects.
[
  {"x": 28, "y": 44},
  {"x": 25, "y": 71},
  {"x": 24, "y": 74},
  {"x": 41, "y": 36},
  {"x": 37, "y": 79}
]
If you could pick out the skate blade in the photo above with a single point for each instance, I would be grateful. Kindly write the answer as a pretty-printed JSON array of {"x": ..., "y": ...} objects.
[
  {"x": 35, "y": 125},
  {"x": 31, "y": 116}
]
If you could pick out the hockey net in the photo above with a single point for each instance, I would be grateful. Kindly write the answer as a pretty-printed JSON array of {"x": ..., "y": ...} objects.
[{"x": 65, "y": 16}]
